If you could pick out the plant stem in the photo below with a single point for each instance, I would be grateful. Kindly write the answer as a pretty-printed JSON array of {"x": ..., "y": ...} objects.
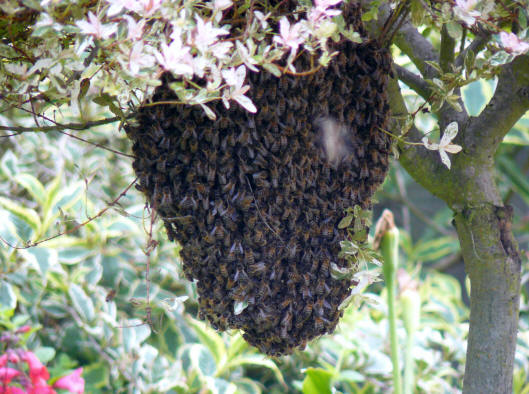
[{"x": 389, "y": 247}]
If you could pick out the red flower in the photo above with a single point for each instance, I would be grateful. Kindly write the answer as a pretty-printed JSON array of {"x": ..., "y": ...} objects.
[
  {"x": 22, "y": 330},
  {"x": 6, "y": 374},
  {"x": 37, "y": 370},
  {"x": 72, "y": 382}
]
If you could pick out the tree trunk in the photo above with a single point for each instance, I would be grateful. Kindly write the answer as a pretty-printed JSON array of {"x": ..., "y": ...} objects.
[{"x": 493, "y": 264}]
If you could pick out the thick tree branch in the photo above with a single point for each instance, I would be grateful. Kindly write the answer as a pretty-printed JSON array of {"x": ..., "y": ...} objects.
[
  {"x": 447, "y": 51},
  {"x": 510, "y": 101},
  {"x": 414, "y": 81},
  {"x": 423, "y": 165},
  {"x": 475, "y": 46},
  {"x": 418, "y": 49}
]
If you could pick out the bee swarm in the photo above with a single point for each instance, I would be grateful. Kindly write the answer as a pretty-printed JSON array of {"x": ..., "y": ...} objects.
[{"x": 254, "y": 202}]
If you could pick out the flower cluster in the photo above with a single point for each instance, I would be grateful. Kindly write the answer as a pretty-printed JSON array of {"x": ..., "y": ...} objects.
[
  {"x": 194, "y": 45},
  {"x": 14, "y": 379}
]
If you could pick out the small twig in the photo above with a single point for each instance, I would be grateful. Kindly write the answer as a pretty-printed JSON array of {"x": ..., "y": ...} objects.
[{"x": 99, "y": 214}]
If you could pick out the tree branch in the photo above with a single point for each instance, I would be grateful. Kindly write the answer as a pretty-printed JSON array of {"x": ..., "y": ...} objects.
[
  {"x": 59, "y": 126},
  {"x": 475, "y": 46},
  {"x": 447, "y": 51},
  {"x": 423, "y": 165},
  {"x": 418, "y": 49},
  {"x": 414, "y": 81},
  {"x": 510, "y": 101}
]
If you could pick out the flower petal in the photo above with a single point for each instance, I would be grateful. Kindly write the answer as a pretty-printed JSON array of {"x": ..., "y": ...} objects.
[
  {"x": 444, "y": 158},
  {"x": 429, "y": 145}
]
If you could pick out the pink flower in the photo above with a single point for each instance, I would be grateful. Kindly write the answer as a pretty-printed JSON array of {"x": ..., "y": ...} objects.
[
  {"x": 138, "y": 58},
  {"x": 7, "y": 374},
  {"x": 37, "y": 370},
  {"x": 95, "y": 28},
  {"x": 321, "y": 10},
  {"x": 117, "y": 5},
  {"x": 23, "y": 329},
  {"x": 235, "y": 79},
  {"x": 221, "y": 5},
  {"x": 176, "y": 58},
  {"x": 150, "y": 6},
  {"x": 464, "y": 11},
  {"x": 134, "y": 29},
  {"x": 289, "y": 37},
  {"x": 204, "y": 35},
  {"x": 72, "y": 382},
  {"x": 512, "y": 44}
]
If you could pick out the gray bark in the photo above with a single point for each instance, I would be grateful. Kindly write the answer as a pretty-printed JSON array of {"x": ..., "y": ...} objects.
[{"x": 483, "y": 223}]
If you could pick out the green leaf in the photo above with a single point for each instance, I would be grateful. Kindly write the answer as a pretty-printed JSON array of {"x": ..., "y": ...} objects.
[
  {"x": 28, "y": 215},
  {"x": 515, "y": 176},
  {"x": 134, "y": 334},
  {"x": 8, "y": 299},
  {"x": 43, "y": 257},
  {"x": 96, "y": 376},
  {"x": 345, "y": 222},
  {"x": 9, "y": 164},
  {"x": 45, "y": 354},
  {"x": 33, "y": 186},
  {"x": 317, "y": 381},
  {"x": 255, "y": 360},
  {"x": 73, "y": 255},
  {"x": 210, "y": 338},
  {"x": 272, "y": 69},
  {"x": 435, "y": 249},
  {"x": 81, "y": 302}
]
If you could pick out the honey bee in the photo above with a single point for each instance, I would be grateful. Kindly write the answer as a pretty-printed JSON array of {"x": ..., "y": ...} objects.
[
  {"x": 318, "y": 324},
  {"x": 223, "y": 270},
  {"x": 110, "y": 295},
  {"x": 257, "y": 268}
]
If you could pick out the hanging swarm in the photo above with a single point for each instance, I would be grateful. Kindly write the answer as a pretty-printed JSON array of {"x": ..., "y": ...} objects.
[{"x": 255, "y": 201}]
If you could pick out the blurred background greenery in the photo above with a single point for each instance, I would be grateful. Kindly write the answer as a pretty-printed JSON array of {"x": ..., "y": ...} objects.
[{"x": 85, "y": 293}]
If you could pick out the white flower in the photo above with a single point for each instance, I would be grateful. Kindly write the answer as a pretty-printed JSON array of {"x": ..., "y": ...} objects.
[
  {"x": 464, "y": 11},
  {"x": 245, "y": 55},
  {"x": 221, "y": 49},
  {"x": 512, "y": 44},
  {"x": 176, "y": 58},
  {"x": 138, "y": 58},
  {"x": 289, "y": 37},
  {"x": 235, "y": 80},
  {"x": 135, "y": 29},
  {"x": 117, "y": 5},
  {"x": 149, "y": 7},
  {"x": 95, "y": 28},
  {"x": 321, "y": 10},
  {"x": 445, "y": 145},
  {"x": 221, "y": 5},
  {"x": 205, "y": 35}
]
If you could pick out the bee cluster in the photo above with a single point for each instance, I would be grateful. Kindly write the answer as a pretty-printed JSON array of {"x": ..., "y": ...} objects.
[{"x": 253, "y": 200}]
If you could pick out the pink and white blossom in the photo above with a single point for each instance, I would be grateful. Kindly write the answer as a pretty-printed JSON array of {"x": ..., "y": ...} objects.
[
  {"x": 289, "y": 36},
  {"x": 221, "y": 5},
  {"x": 322, "y": 11},
  {"x": 220, "y": 50},
  {"x": 95, "y": 28},
  {"x": 149, "y": 7},
  {"x": 244, "y": 54},
  {"x": 134, "y": 29},
  {"x": 204, "y": 35},
  {"x": 139, "y": 59},
  {"x": 116, "y": 6},
  {"x": 176, "y": 58},
  {"x": 464, "y": 11},
  {"x": 235, "y": 80},
  {"x": 512, "y": 44},
  {"x": 445, "y": 145}
]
